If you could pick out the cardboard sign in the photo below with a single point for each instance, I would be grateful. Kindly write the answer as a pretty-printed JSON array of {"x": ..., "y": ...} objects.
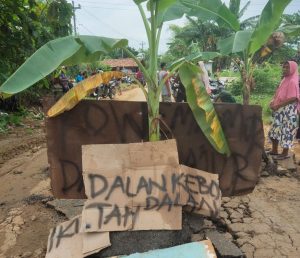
[
  {"x": 128, "y": 183},
  {"x": 65, "y": 240}
]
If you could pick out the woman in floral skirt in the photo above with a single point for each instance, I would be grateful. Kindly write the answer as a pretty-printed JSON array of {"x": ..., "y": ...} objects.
[{"x": 285, "y": 106}]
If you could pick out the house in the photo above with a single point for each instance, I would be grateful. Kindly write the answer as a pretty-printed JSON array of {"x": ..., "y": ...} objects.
[{"x": 127, "y": 65}]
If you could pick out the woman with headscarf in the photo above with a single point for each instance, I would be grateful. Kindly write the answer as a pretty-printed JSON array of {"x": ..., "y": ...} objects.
[
  {"x": 285, "y": 106},
  {"x": 204, "y": 77}
]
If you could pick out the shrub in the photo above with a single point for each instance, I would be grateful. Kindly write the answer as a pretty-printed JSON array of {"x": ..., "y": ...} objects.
[
  {"x": 282, "y": 54},
  {"x": 229, "y": 73},
  {"x": 235, "y": 87},
  {"x": 267, "y": 77},
  {"x": 7, "y": 120}
]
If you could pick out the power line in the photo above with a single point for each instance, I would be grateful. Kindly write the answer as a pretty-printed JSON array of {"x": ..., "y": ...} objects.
[
  {"x": 87, "y": 29},
  {"x": 111, "y": 4},
  {"x": 108, "y": 25},
  {"x": 108, "y": 8}
]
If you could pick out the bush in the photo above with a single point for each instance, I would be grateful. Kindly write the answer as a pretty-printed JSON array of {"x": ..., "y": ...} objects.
[
  {"x": 7, "y": 120},
  {"x": 229, "y": 73},
  {"x": 282, "y": 54},
  {"x": 235, "y": 87},
  {"x": 267, "y": 77}
]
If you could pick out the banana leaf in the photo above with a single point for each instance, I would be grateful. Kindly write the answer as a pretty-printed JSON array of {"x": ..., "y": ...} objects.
[
  {"x": 238, "y": 42},
  {"x": 290, "y": 30},
  {"x": 169, "y": 10},
  {"x": 201, "y": 56},
  {"x": 212, "y": 9},
  {"x": 172, "y": 12},
  {"x": 80, "y": 91},
  {"x": 202, "y": 107},
  {"x": 269, "y": 21},
  {"x": 68, "y": 50}
]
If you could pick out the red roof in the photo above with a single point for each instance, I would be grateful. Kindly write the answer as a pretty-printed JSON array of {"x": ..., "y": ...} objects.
[{"x": 122, "y": 62}]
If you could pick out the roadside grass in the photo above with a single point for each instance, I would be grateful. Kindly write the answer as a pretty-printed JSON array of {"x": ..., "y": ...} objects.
[
  {"x": 15, "y": 119},
  {"x": 229, "y": 73}
]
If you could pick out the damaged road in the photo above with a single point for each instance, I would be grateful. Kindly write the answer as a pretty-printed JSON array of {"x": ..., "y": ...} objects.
[{"x": 264, "y": 223}]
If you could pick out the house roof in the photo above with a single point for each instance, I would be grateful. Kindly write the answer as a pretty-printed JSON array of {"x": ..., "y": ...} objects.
[{"x": 122, "y": 62}]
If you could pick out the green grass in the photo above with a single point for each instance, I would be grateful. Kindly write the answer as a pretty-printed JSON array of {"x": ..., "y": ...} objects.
[
  {"x": 262, "y": 100},
  {"x": 14, "y": 119},
  {"x": 7, "y": 120},
  {"x": 229, "y": 73}
]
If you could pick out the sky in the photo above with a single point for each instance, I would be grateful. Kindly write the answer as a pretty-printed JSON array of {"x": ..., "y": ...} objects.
[{"x": 121, "y": 19}]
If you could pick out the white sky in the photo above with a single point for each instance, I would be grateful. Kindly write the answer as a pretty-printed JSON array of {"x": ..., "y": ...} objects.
[{"x": 121, "y": 19}]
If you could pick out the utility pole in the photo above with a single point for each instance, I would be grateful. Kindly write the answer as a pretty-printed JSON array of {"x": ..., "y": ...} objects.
[
  {"x": 142, "y": 44},
  {"x": 74, "y": 15},
  {"x": 142, "y": 54}
]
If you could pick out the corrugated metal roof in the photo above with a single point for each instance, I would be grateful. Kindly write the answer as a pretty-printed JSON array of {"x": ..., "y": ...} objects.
[{"x": 122, "y": 62}]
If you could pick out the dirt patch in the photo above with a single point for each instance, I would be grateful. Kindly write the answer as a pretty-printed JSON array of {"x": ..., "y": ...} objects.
[
  {"x": 21, "y": 139},
  {"x": 25, "y": 220},
  {"x": 24, "y": 231}
]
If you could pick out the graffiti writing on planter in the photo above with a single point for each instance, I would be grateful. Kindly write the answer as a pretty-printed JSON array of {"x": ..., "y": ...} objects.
[{"x": 117, "y": 122}]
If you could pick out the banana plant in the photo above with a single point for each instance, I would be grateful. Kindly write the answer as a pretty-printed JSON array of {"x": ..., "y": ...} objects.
[
  {"x": 74, "y": 50},
  {"x": 246, "y": 46}
]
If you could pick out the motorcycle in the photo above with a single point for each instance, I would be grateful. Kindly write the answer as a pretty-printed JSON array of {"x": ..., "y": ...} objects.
[
  {"x": 126, "y": 79},
  {"x": 216, "y": 87},
  {"x": 106, "y": 90},
  {"x": 178, "y": 90}
]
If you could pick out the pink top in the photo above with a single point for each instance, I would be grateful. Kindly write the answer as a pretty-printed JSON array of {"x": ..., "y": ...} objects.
[
  {"x": 288, "y": 88},
  {"x": 204, "y": 77}
]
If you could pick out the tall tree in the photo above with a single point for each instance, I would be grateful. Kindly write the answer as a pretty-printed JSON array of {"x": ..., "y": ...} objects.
[
  {"x": 248, "y": 46},
  {"x": 59, "y": 15},
  {"x": 25, "y": 25}
]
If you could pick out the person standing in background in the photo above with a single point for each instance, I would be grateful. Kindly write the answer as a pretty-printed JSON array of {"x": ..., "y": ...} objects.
[
  {"x": 204, "y": 77},
  {"x": 166, "y": 89},
  {"x": 285, "y": 106}
]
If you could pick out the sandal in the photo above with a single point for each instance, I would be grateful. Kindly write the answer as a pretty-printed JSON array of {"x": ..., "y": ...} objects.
[
  {"x": 280, "y": 157},
  {"x": 272, "y": 153}
]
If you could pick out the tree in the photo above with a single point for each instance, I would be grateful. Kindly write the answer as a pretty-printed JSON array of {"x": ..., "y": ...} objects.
[
  {"x": 25, "y": 25},
  {"x": 119, "y": 53},
  {"x": 204, "y": 32},
  {"x": 291, "y": 27},
  {"x": 74, "y": 50},
  {"x": 247, "y": 46},
  {"x": 59, "y": 15}
]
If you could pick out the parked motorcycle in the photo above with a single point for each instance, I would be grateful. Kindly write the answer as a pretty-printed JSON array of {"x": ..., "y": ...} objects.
[
  {"x": 178, "y": 90},
  {"x": 126, "y": 79},
  {"x": 106, "y": 90},
  {"x": 216, "y": 86}
]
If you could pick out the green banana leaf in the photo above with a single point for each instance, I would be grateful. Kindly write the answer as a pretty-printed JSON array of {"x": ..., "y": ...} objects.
[
  {"x": 139, "y": 1},
  {"x": 68, "y": 50},
  {"x": 172, "y": 12},
  {"x": 202, "y": 107},
  {"x": 201, "y": 56},
  {"x": 269, "y": 21},
  {"x": 238, "y": 42},
  {"x": 169, "y": 10},
  {"x": 290, "y": 30},
  {"x": 212, "y": 9}
]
